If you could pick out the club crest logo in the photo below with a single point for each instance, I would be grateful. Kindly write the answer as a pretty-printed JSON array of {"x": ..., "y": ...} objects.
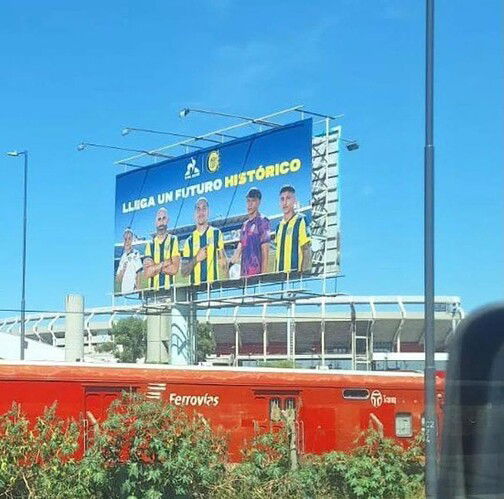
[{"x": 213, "y": 162}]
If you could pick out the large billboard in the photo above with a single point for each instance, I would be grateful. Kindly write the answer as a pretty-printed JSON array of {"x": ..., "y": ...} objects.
[{"x": 232, "y": 210}]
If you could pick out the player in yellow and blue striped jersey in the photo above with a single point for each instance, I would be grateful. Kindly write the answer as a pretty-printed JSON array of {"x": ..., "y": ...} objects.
[
  {"x": 292, "y": 237},
  {"x": 162, "y": 255},
  {"x": 204, "y": 259}
]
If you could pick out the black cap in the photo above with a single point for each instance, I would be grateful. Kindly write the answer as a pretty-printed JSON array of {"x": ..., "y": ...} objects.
[{"x": 254, "y": 192}]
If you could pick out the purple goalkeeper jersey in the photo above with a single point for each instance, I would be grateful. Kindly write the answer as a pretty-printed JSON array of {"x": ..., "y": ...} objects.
[{"x": 254, "y": 233}]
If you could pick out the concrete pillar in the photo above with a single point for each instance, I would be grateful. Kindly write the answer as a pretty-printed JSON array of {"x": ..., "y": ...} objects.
[
  {"x": 74, "y": 328},
  {"x": 158, "y": 326},
  {"x": 182, "y": 342}
]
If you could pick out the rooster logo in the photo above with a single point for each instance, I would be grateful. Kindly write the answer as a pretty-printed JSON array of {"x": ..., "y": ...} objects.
[{"x": 192, "y": 171}]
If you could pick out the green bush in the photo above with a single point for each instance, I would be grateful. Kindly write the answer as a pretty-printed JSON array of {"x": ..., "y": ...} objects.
[
  {"x": 149, "y": 449},
  {"x": 38, "y": 461},
  {"x": 379, "y": 467}
]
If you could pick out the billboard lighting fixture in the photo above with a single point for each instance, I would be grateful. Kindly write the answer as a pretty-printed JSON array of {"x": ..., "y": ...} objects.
[
  {"x": 351, "y": 145},
  {"x": 184, "y": 112},
  {"x": 128, "y": 130},
  {"x": 84, "y": 145}
]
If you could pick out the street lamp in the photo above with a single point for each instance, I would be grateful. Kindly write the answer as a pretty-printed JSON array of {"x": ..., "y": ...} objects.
[
  {"x": 15, "y": 154},
  {"x": 84, "y": 145},
  {"x": 184, "y": 112}
]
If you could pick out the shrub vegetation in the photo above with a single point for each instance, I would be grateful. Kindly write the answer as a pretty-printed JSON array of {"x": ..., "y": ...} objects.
[{"x": 149, "y": 449}]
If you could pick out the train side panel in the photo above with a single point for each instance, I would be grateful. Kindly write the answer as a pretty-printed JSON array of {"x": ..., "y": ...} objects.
[{"x": 331, "y": 409}]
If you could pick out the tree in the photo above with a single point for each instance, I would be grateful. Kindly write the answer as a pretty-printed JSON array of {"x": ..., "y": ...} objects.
[
  {"x": 131, "y": 335},
  {"x": 205, "y": 341}
]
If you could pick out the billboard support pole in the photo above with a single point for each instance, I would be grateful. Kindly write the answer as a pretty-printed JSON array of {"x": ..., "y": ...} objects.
[
  {"x": 430, "y": 368},
  {"x": 322, "y": 331}
]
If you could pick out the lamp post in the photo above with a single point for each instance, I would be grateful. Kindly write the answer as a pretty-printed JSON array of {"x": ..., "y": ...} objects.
[
  {"x": 23, "y": 264},
  {"x": 430, "y": 343}
]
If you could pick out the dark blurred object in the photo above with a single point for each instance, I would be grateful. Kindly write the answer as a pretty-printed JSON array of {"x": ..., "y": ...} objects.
[{"x": 472, "y": 459}]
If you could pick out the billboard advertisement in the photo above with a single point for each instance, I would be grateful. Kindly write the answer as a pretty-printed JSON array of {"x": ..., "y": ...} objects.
[{"x": 232, "y": 210}]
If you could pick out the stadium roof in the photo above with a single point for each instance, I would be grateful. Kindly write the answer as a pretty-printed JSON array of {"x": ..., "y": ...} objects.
[{"x": 395, "y": 322}]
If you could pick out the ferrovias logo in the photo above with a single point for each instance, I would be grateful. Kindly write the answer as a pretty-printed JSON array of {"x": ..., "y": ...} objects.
[{"x": 194, "y": 400}]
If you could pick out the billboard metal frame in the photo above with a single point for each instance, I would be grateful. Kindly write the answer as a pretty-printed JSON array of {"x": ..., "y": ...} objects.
[
  {"x": 325, "y": 224},
  {"x": 271, "y": 289}
]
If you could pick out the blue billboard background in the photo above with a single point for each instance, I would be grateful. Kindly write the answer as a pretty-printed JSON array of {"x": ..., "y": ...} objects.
[{"x": 223, "y": 174}]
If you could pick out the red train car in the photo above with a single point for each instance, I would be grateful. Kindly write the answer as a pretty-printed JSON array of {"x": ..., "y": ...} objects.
[{"x": 332, "y": 407}]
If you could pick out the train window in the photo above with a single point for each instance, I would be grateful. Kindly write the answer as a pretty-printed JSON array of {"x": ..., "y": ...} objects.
[
  {"x": 275, "y": 409},
  {"x": 356, "y": 393},
  {"x": 403, "y": 425},
  {"x": 290, "y": 403}
]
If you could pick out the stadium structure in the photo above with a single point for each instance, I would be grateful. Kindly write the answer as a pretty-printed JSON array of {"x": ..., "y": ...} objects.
[{"x": 341, "y": 332}]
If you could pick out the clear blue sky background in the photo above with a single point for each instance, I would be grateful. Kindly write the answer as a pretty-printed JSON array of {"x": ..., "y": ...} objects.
[{"x": 83, "y": 70}]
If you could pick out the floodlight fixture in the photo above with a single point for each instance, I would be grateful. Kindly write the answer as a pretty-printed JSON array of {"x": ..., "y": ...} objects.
[
  {"x": 84, "y": 145},
  {"x": 185, "y": 111},
  {"x": 128, "y": 130},
  {"x": 351, "y": 145}
]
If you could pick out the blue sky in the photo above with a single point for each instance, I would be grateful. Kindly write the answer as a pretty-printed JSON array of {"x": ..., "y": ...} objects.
[{"x": 75, "y": 71}]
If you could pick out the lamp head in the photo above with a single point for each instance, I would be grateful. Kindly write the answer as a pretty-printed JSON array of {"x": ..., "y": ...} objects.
[
  {"x": 184, "y": 112},
  {"x": 352, "y": 146},
  {"x": 13, "y": 153},
  {"x": 81, "y": 146},
  {"x": 125, "y": 131}
]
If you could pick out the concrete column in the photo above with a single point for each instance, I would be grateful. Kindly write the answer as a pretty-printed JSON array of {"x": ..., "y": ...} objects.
[
  {"x": 182, "y": 342},
  {"x": 158, "y": 325},
  {"x": 74, "y": 328}
]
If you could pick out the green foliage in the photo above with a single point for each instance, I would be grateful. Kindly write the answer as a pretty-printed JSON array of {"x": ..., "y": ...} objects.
[
  {"x": 283, "y": 364},
  {"x": 106, "y": 347},
  {"x": 37, "y": 461},
  {"x": 205, "y": 341},
  {"x": 149, "y": 449},
  {"x": 130, "y": 339},
  {"x": 265, "y": 472},
  {"x": 379, "y": 467}
]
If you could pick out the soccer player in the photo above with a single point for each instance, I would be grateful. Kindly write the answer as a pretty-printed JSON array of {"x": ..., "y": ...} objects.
[
  {"x": 203, "y": 255},
  {"x": 292, "y": 238},
  {"x": 162, "y": 255},
  {"x": 255, "y": 237},
  {"x": 130, "y": 265}
]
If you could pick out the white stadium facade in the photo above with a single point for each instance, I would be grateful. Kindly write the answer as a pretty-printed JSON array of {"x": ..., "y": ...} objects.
[{"x": 337, "y": 332}]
